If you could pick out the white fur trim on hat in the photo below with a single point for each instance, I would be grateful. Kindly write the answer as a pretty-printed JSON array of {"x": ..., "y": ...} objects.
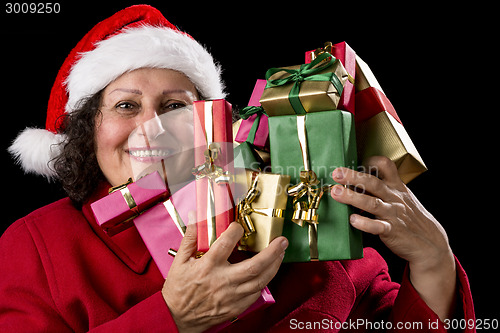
[
  {"x": 144, "y": 46},
  {"x": 34, "y": 150}
]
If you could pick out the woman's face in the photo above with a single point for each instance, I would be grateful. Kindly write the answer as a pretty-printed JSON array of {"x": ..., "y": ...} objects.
[{"x": 145, "y": 104}]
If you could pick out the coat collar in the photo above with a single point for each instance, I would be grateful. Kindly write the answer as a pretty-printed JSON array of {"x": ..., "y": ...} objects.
[{"x": 126, "y": 245}]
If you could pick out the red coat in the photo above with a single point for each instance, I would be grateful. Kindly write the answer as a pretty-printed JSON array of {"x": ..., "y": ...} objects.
[{"x": 59, "y": 272}]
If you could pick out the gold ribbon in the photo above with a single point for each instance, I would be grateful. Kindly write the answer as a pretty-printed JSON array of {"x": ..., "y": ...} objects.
[
  {"x": 244, "y": 209},
  {"x": 210, "y": 170},
  {"x": 127, "y": 196},
  {"x": 307, "y": 194},
  {"x": 176, "y": 218},
  {"x": 328, "y": 48}
]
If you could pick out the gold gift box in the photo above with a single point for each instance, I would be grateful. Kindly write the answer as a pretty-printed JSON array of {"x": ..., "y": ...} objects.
[
  {"x": 364, "y": 76},
  {"x": 383, "y": 135},
  {"x": 269, "y": 206},
  {"x": 315, "y": 96}
]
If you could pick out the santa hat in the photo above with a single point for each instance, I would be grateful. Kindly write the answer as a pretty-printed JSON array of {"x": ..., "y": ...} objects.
[{"x": 136, "y": 37}]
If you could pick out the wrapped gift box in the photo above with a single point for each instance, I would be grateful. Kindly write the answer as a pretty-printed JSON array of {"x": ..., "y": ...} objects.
[
  {"x": 364, "y": 76},
  {"x": 214, "y": 168},
  {"x": 347, "y": 57},
  {"x": 380, "y": 132},
  {"x": 318, "y": 142},
  {"x": 163, "y": 226},
  {"x": 115, "y": 211},
  {"x": 262, "y": 209},
  {"x": 306, "y": 88},
  {"x": 254, "y": 129}
]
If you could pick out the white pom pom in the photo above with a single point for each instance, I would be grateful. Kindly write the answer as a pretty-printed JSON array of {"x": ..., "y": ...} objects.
[{"x": 34, "y": 149}]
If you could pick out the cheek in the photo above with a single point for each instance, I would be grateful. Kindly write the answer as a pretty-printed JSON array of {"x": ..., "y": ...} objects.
[{"x": 111, "y": 139}]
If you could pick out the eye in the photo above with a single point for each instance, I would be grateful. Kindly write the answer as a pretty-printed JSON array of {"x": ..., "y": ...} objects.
[
  {"x": 174, "y": 105},
  {"x": 125, "y": 106}
]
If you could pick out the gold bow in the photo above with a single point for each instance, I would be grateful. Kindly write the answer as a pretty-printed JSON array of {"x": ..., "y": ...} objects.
[
  {"x": 306, "y": 211},
  {"x": 328, "y": 48},
  {"x": 209, "y": 169},
  {"x": 244, "y": 209}
]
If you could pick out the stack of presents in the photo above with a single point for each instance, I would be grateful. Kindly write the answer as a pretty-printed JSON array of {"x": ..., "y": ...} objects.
[{"x": 274, "y": 178}]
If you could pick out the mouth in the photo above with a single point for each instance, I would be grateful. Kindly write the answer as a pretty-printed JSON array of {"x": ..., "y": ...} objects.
[{"x": 149, "y": 155}]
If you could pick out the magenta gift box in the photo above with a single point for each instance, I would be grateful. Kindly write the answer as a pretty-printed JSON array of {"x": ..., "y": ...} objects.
[
  {"x": 262, "y": 136},
  {"x": 162, "y": 227},
  {"x": 115, "y": 211}
]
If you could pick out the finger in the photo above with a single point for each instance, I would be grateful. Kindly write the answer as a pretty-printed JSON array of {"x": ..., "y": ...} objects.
[
  {"x": 385, "y": 169},
  {"x": 371, "y": 226},
  {"x": 373, "y": 205},
  {"x": 259, "y": 282},
  {"x": 223, "y": 246},
  {"x": 189, "y": 243},
  {"x": 362, "y": 181},
  {"x": 263, "y": 266}
]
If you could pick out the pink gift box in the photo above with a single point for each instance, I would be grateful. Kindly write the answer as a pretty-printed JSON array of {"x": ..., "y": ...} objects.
[
  {"x": 347, "y": 57},
  {"x": 161, "y": 233},
  {"x": 262, "y": 136},
  {"x": 114, "y": 212}
]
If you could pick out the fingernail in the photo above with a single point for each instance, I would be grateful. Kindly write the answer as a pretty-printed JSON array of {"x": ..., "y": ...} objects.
[
  {"x": 337, "y": 190},
  {"x": 353, "y": 219},
  {"x": 338, "y": 174},
  {"x": 284, "y": 244}
]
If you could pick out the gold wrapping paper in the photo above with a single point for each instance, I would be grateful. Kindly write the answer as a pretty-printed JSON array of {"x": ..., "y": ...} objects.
[
  {"x": 364, "y": 76},
  {"x": 397, "y": 146},
  {"x": 272, "y": 197},
  {"x": 314, "y": 95}
]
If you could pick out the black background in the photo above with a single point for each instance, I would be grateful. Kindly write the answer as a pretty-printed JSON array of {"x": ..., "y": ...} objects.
[{"x": 436, "y": 64}]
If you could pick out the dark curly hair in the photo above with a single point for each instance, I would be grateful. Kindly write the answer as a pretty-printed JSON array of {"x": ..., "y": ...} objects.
[{"x": 76, "y": 166}]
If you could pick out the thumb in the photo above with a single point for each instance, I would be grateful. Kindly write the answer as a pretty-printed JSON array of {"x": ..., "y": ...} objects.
[{"x": 189, "y": 243}]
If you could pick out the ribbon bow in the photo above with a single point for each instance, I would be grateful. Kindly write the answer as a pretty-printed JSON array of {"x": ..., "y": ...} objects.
[
  {"x": 209, "y": 169},
  {"x": 306, "y": 211},
  {"x": 328, "y": 48},
  {"x": 245, "y": 208},
  {"x": 249, "y": 111},
  {"x": 306, "y": 72}
]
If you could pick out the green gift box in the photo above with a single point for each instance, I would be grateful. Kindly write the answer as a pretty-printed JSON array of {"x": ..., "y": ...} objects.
[{"x": 320, "y": 142}]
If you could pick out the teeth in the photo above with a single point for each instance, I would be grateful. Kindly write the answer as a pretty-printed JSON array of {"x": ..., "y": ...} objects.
[{"x": 149, "y": 153}]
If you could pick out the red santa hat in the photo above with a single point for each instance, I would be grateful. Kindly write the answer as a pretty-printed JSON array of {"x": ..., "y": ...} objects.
[{"x": 136, "y": 37}]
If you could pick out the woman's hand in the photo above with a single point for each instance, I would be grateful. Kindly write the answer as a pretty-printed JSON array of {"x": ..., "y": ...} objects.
[
  {"x": 404, "y": 226},
  {"x": 201, "y": 293}
]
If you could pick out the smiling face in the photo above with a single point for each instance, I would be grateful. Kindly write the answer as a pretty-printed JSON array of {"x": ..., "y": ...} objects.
[{"x": 146, "y": 105}]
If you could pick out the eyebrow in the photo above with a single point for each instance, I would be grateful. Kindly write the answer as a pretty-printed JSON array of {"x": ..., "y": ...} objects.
[
  {"x": 175, "y": 91},
  {"x": 133, "y": 91}
]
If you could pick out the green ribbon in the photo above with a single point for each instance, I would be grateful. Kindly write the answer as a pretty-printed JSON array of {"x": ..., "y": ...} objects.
[
  {"x": 246, "y": 113},
  {"x": 306, "y": 72}
]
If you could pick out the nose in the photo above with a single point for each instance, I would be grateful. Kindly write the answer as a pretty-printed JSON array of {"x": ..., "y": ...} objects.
[{"x": 152, "y": 127}]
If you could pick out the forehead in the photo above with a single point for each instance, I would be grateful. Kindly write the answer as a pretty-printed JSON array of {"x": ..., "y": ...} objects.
[{"x": 145, "y": 80}]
